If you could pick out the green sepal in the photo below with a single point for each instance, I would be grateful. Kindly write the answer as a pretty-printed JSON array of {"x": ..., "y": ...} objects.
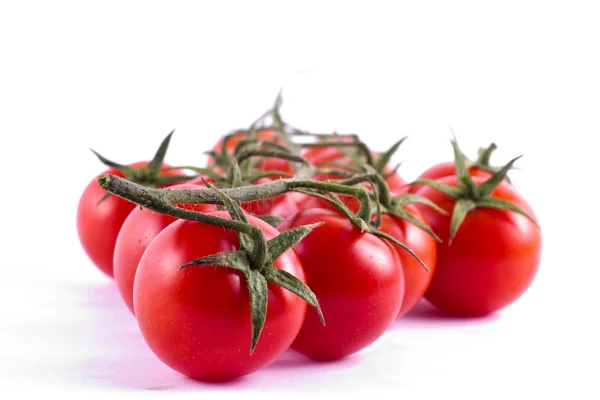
[
  {"x": 385, "y": 158},
  {"x": 287, "y": 239},
  {"x": 392, "y": 239},
  {"x": 460, "y": 211},
  {"x": 125, "y": 169},
  {"x": 259, "y": 296},
  {"x": 400, "y": 212},
  {"x": 237, "y": 259},
  {"x": 487, "y": 187},
  {"x": 499, "y": 204},
  {"x": 447, "y": 190},
  {"x": 157, "y": 161},
  {"x": 294, "y": 285},
  {"x": 405, "y": 199}
]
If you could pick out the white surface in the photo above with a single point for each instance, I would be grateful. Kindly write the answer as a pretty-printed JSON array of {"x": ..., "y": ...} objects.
[{"x": 118, "y": 76}]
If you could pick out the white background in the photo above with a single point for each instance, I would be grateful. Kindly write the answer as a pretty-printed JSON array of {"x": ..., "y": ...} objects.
[{"x": 118, "y": 76}]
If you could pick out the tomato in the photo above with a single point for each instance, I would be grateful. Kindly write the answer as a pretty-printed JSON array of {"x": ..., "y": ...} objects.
[
  {"x": 357, "y": 278},
  {"x": 138, "y": 230},
  {"x": 98, "y": 224},
  {"x": 197, "y": 320},
  {"x": 444, "y": 170},
  {"x": 416, "y": 277},
  {"x": 490, "y": 262}
]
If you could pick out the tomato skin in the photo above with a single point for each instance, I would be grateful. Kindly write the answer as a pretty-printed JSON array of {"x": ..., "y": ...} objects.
[
  {"x": 197, "y": 320},
  {"x": 139, "y": 228},
  {"x": 491, "y": 261},
  {"x": 416, "y": 278},
  {"x": 444, "y": 170},
  {"x": 98, "y": 224},
  {"x": 357, "y": 279}
]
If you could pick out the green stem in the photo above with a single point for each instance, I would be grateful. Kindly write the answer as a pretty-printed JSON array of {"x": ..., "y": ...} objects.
[{"x": 160, "y": 200}]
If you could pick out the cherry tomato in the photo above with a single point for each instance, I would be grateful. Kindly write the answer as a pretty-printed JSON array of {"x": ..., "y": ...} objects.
[
  {"x": 492, "y": 259},
  {"x": 138, "y": 230},
  {"x": 416, "y": 277},
  {"x": 98, "y": 223},
  {"x": 357, "y": 278},
  {"x": 197, "y": 320}
]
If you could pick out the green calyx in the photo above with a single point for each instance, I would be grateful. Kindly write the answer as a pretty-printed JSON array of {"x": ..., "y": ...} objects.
[
  {"x": 255, "y": 259},
  {"x": 469, "y": 195},
  {"x": 149, "y": 175}
]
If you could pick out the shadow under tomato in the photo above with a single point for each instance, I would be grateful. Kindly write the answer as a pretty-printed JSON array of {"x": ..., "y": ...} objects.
[
  {"x": 424, "y": 315},
  {"x": 121, "y": 358}
]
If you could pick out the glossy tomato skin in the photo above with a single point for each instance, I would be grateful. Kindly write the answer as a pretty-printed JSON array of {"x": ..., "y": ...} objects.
[
  {"x": 416, "y": 278},
  {"x": 98, "y": 224},
  {"x": 197, "y": 320},
  {"x": 357, "y": 279},
  {"x": 491, "y": 261},
  {"x": 140, "y": 227},
  {"x": 444, "y": 170}
]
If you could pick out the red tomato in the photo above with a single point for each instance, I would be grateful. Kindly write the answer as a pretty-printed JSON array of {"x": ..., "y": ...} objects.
[
  {"x": 416, "y": 278},
  {"x": 197, "y": 320},
  {"x": 98, "y": 224},
  {"x": 138, "y": 230},
  {"x": 491, "y": 261},
  {"x": 357, "y": 278},
  {"x": 444, "y": 170}
]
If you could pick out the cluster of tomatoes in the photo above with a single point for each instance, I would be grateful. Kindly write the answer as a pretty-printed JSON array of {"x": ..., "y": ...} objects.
[{"x": 462, "y": 237}]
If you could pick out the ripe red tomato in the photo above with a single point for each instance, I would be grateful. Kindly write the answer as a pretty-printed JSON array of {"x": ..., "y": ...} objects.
[
  {"x": 357, "y": 278},
  {"x": 416, "y": 277},
  {"x": 491, "y": 261},
  {"x": 197, "y": 320},
  {"x": 138, "y": 230},
  {"x": 98, "y": 224},
  {"x": 444, "y": 170}
]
